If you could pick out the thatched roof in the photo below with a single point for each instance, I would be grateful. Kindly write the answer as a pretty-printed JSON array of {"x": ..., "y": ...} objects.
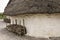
[{"x": 16, "y": 7}]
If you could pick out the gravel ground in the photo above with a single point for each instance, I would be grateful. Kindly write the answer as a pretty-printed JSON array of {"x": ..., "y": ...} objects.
[{"x": 6, "y": 35}]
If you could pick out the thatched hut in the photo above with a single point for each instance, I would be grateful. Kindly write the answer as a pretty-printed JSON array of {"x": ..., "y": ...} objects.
[{"x": 40, "y": 17}]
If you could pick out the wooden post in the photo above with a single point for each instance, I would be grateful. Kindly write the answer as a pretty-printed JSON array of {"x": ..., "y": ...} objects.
[
  {"x": 23, "y": 22},
  {"x": 10, "y": 21},
  {"x": 16, "y": 21}
]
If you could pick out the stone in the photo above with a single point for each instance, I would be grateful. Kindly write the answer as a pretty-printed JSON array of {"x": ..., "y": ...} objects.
[{"x": 18, "y": 29}]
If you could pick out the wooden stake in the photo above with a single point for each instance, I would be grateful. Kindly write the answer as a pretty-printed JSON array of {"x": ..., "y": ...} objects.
[
  {"x": 23, "y": 22},
  {"x": 16, "y": 21}
]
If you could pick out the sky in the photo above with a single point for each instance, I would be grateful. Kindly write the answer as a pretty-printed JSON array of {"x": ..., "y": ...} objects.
[{"x": 3, "y": 4}]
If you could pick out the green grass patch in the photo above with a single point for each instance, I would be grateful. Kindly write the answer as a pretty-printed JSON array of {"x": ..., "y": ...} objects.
[{"x": 2, "y": 16}]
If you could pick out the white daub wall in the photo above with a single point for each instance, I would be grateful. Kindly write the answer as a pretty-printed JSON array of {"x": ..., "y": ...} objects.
[{"x": 40, "y": 25}]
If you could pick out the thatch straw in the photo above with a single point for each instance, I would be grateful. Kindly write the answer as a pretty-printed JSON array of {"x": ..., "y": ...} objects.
[{"x": 16, "y": 7}]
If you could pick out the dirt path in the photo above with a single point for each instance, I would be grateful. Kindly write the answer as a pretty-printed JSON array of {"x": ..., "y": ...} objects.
[{"x": 6, "y": 35}]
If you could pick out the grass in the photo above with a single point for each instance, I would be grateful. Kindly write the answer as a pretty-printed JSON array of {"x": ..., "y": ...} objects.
[{"x": 2, "y": 16}]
